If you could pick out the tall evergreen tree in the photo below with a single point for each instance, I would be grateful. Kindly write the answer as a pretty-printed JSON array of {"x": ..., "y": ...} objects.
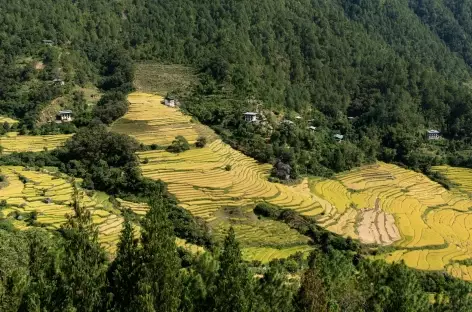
[
  {"x": 82, "y": 276},
  {"x": 122, "y": 274},
  {"x": 42, "y": 272},
  {"x": 311, "y": 296},
  {"x": 234, "y": 287},
  {"x": 275, "y": 291},
  {"x": 159, "y": 283}
]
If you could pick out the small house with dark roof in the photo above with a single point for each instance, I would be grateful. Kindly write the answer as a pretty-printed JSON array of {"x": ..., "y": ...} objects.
[
  {"x": 433, "y": 134},
  {"x": 64, "y": 116},
  {"x": 58, "y": 81},
  {"x": 250, "y": 116},
  {"x": 170, "y": 101}
]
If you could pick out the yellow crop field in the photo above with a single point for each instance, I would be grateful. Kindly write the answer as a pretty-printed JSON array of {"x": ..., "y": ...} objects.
[
  {"x": 378, "y": 204},
  {"x": 462, "y": 177},
  {"x": 4, "y": 119},
  {"x": 201, "y": 183},
  {"x": 51, "y": 197},
  {"x": 151, "y": 122},
  {"x": 265, "y": 254},
  {"x": 12, "y": 142},
  {"x": 430, "y": 226}
]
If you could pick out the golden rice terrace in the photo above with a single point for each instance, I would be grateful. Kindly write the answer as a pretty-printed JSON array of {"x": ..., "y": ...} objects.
[{"x": 427, "y": 226}]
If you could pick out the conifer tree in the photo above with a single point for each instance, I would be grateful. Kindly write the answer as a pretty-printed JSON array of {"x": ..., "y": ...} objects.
[
  {"x": 276, "y": 293},
  {"x": 311, "y": 296},
  {"x": 82, "y": 276},
  {"x": 42, "y": 274},
  {"x": 234, "y": 287},
  {"x": 122, "y": 274},
  {"x": 159, "y": 283}
]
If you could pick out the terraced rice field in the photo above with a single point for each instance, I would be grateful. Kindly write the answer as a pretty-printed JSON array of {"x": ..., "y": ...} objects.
[
  {"x": 265, "y": 254},
  {"x": 200, "y": 182},
  {"x": 150, "y": 122},
  {"x": 202, "y": 185},
  {"x": 51, "y": 197},
  {"x": 12, "y": 142},
  {"x": 8, "y": 119},
  {"x": 380, "y": 204},
  {"x": 430, "y": 226},
  {"x": 462, "y": 177}
]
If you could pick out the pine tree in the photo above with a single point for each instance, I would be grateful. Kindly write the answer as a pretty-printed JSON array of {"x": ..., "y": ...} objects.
[
  {"x": 311, "y": 296},
  {"x": 122, "y": 274},
  {"x": 234, "y": 287},
  {"x": 42, "y": 273},
  {"x": 199, "y": 284},
  {"x": 159, "y": 283},
  {"x": 82, "y": 276},
  {"x": 276, "y": 293}
]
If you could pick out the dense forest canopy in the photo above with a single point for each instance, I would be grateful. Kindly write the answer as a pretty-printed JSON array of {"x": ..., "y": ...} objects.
[{"x": 396, "y": 68}]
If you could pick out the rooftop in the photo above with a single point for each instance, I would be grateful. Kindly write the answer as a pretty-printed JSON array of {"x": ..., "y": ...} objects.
[
  {"x": 312, "y": 128},
  {"x": 289, "y": 122},
  {"x": 63, "y": 112},
  {"x": 339, "y": 136},
  {"x": 433, "y": 131},
  {"x": 250, "y": 114}
]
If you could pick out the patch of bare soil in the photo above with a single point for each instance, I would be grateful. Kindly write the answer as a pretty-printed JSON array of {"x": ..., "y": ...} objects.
[{"x": 377, "y": 227}]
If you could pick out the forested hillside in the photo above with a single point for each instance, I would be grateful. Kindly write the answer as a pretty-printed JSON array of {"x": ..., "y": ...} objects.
[
  {"x": 376, "y": 73},
  {"x": 397, "y": 68}
]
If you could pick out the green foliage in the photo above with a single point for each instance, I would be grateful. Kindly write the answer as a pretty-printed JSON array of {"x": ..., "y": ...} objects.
[
  {"x": 123, "y": 274},
  {"x": 234, "y": 289},
  {"x": 201, "y": 142},
  {"x": 159, "y": 282},
  {"x": 180, "y": 144}
]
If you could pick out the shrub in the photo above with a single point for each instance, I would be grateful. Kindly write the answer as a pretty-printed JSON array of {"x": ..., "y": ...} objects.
[
  {"x": 228, "y": 167},
  {"x": 154, "y": 146},
  {"x": 267, "y": 210},
  {"x": 180, "y": 144},
  {"x": 201, "y": 142}
]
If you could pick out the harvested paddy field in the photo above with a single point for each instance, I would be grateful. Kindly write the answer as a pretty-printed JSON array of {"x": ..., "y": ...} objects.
[
  {"x": 12, "y": 142},
  {"x": 430, "y": 227}
]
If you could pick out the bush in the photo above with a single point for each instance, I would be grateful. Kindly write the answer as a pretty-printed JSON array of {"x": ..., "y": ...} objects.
[
  {"x": 267, "y": 210},
  {"x": 228, "y": 167},
  {"x": 154, "y": 146},
  {"x": 180, "y": 144},
  {"x": 201, "y": 142}
]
